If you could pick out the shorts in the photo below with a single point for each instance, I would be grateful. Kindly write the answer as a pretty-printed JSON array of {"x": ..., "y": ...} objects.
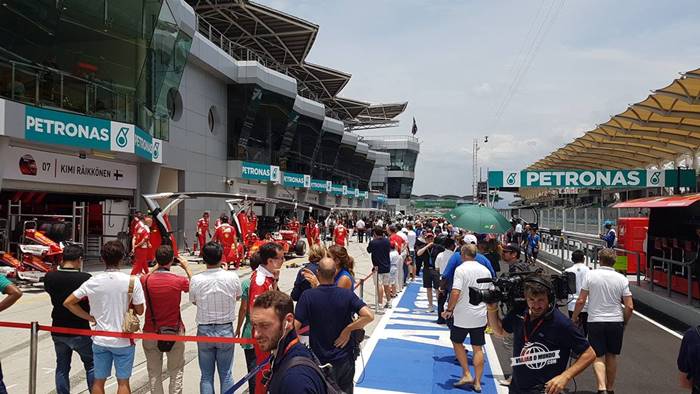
[
  {"x": 392, "y": 275},
  {"x": 121, "y": 357},
  {"x": 431, "y": 278},
  {"x": 605, "y": 337},
  {"x": 385, "y": 278},
  {"x": 476, "y": 335}
]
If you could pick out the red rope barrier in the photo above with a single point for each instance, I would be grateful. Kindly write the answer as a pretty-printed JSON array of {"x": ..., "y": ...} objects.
[
  {"x": 149, "y": 336},
  {"x": 361, "y": 281}
]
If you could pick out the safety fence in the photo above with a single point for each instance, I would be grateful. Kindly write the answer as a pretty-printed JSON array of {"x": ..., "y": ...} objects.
[
  {"x": 580, "y": 220},
  {"x": 672, "y": 275}
]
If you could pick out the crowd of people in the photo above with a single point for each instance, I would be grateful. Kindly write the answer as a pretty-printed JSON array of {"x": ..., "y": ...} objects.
[{"x": 323, "y": 311}]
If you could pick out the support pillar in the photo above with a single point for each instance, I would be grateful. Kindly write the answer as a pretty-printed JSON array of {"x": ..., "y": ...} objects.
[{"x": 149, "y": 174}]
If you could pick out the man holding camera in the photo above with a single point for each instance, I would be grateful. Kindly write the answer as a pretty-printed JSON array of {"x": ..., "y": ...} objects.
[
  {"x": 606, "y": 290},
  {"x": 468, "y": 319},
  {"x": 543, "y": 340}
]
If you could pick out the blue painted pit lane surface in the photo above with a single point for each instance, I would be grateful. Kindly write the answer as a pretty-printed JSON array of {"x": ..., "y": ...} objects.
[{"x": 409, "y": 353}]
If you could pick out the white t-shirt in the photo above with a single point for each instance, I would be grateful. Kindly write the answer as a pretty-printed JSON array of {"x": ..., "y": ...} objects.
[
  {"x": 107, "y": 293},
  {"x": 518, "y": 228},
  {"x": 403, "y": 236},
  {"x": 360, "y": 224},
  {"x": 465, "y": 314},
  {"x": 605, "y": 287},
  {"x": 581, "y": 271},
  {"x": 215, "y": 292},
  {"x": 442, "y": 259},
  {"x": 411, "y": 240}
]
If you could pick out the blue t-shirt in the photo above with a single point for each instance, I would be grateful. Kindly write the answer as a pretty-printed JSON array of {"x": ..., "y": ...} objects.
[
  {"x": 300, "y": 283},
  {"x": 456, "y": 260},
  {"x": 689, "y": 356},
  {"x": 380, "y": 249},
  {"x": 547, "y": 351},
  {"x": 533, "y": 241},
  {"x": 609, "y": 238},
  {"x": 327, "y": 310},
  {"x": 301, "y": 378}
]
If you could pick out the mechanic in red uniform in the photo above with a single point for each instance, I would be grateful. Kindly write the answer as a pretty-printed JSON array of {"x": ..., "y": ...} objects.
[
  {"x": 264, "y": 278},
  {"x": 141, "y": 246},
  {"x": 137, "y": 218},
  {"x": 202, "y": 231},
  {"x": 312, "y": 232},
  {"x": 294, "y": 225},
  {"x": 226, "y": 236},
  {"x": 253, "y": 220},
  {"x": 340, "y": 234}
]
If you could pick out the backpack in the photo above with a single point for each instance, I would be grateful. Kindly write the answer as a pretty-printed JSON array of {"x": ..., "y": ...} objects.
[{"x": 326, "y": 374}]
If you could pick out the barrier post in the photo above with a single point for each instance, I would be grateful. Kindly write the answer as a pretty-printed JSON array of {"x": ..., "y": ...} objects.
[
  {"x": 362, "y": 290},
  {"x": 33, "y": 350},
  {"x": 376, "y": 293}
]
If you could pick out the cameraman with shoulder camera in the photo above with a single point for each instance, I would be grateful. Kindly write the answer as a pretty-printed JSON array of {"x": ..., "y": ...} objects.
[{"x": 543, "y": 340}]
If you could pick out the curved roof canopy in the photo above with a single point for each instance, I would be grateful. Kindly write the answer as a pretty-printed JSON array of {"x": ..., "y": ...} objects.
[{"x": 661, "y": 128}]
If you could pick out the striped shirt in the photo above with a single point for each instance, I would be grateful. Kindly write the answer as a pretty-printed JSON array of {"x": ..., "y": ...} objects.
[{"x": 215, "y": 292}]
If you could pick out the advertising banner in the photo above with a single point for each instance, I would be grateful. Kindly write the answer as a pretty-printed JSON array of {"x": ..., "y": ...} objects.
[
  {"x": 63, "y": 128},
  {"x": 260, "y": 172},
  {"x": 634, "y": 178},
  {"x": 337, "y": 190},
  {"x": 290, "y": 179},
  {"x": 319, "y": 185},
  {"x": 36, "y": 166}
]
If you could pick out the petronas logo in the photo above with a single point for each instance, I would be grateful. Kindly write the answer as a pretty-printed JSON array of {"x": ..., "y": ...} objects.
[
  {"x": 511, "y": 178},
  {"x": 654, "y": 180},
  {"x": 122, "y": 139}
]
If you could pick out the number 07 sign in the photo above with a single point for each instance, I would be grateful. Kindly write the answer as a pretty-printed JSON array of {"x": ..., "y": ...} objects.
[{"x": 37, "y": 166}]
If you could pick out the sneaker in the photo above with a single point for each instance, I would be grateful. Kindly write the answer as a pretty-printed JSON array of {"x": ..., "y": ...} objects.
[
  {"x": 387, "y": 305},
  {"x": 431, "y": 309}
]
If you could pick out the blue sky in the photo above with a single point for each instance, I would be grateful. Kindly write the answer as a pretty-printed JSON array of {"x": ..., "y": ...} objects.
[{"x": 454, "y": 62}]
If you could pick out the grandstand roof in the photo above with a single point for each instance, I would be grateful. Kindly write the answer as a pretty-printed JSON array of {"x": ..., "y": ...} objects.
[
  {"x": 661, "y": 128},
  {"x": 282, "y": 42}
]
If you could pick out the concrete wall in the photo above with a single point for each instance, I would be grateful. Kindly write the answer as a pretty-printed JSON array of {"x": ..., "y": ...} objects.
[{"x": 194, "y": 148}]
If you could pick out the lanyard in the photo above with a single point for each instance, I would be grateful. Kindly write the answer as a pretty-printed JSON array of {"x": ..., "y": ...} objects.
[{"x": 537, "y": 326}]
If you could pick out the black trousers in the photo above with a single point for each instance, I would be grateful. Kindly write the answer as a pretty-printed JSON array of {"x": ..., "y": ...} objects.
[
  {"x": 441, "y": 300},
  {"x": 344, "y": 372},
  {"x": 360, "y": 236}
]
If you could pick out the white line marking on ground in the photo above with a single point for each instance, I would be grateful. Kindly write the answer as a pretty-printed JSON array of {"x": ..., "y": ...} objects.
[
  {"x": 495, "y": 364},
  {"x": 650, "y": 320}
]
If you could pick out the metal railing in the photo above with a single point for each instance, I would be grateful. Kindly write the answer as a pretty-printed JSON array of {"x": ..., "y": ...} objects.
[
  {"x": 48, "y": 87},
  {"x": 667, "y": 265},
  {"x": 580, "y": 220},
  {"x": 243, "y": 53}
]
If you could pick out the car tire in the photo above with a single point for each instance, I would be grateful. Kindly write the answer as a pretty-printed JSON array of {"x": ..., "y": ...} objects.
[{"x": 300, "y": 248}]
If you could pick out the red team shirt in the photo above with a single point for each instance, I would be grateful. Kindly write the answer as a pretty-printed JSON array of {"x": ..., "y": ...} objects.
[
  {"x": 261, "y": 281},
  {"x": 202, "y": 226},
  {"x": 226, "y": 234},
  {"x": 340, "y": 234},
  {"x": 396, "y": 239}
]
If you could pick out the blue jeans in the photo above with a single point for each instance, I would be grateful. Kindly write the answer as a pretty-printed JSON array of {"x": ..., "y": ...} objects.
[
  {"x": 65, "y": 346},
  {"x": 215, "y": 355}
]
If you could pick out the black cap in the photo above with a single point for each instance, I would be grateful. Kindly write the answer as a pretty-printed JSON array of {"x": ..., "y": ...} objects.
[{"x": 512, "y": 247}]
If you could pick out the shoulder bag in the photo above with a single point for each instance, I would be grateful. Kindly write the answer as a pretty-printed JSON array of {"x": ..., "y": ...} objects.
[
  {"x": 163, "y": 346},
  {"x": 131, "y": 322}
]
